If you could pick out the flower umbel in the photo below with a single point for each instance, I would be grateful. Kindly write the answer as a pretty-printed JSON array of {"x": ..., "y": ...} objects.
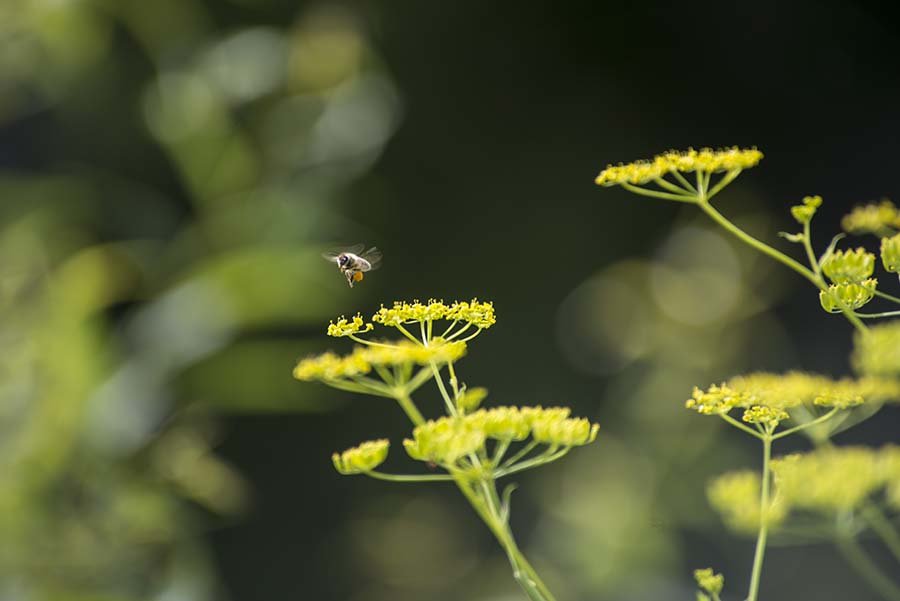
[
  {"x": 363, "y": 458},
  {"x": 839, "y": 297},
  {"x": 849, "y": 266},
  {"x": 881, "y": 219},
  {"x": 343, "y": 327},
  {"x": 706, "y": 160}
]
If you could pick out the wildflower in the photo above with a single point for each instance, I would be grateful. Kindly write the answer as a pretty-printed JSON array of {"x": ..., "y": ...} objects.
[
  {"x": 329, "y": 367},
  {"x": 567, "y": 432},
  {"x": 767, "y": 416},
  {"x": 718, "y": 399},
  {"x": 736, "y": 496},
  {"x": 470, "y": 399},
  {"x": 877, "y": 353},
  {"x": 444, "y": 440},
  {"x": 708, "y": 581},
  {"x": 705, "y": 160},
  {"x": 828, "y": 480},
  {"x": 850, "y": 296},
  {"x": 501, "y": 423},
  {"x": 343, "y": 327},
  {"x": 882, "y": 219},
  {"x": 363, "y": 458},
  {"x": 804, "y": 213},
  {"x": 480, "y": 315},
  {"x": 849, "y": 267},
  {"x": 890, "y": 253}
]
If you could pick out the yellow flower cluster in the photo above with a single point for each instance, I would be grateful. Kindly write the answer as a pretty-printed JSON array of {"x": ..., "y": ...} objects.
[
  {"x": 479, "y": 314},
  {"x": 363, "y": 458},
  {"x": 767, "y": 416},
  {"x": 836, "y": 479},
  {"x": 736, "y": 496},
  {"x": 705, "y": 160},
  {"x": 781, "y": 392},
  {"x": 850, "y": 296},
  {"x": 849, "y": 266},
  {"x": 804, "y": 213},
  {"x": 890, "y": 253},
  {"x": 447, "y": 439},
  {"x": 877, "y": 353},
  {"x": 343, "y": 327},
  {"x": 708, "y": 581},
  {"x": 331, "y": 367},
  {"x": 881, "y": 219}
]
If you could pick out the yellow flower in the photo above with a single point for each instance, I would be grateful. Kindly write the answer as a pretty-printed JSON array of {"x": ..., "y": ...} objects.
[
  {"x": 804, "y": 213},
  {"x": 479, "y": 314},
  {"x": 849, "y": 266},
  {"x": 345, "y": 328},
  {"x": 363, "y": 458},
  {"x": 718, "y": 399},
  {"x": 708, "y": 581},
  {"x": 329, "y": 367},
  {"x": 765, "y": 415},
  {"x": 852, "y": 296},
  {"x": 444, "y": 441},
  {"x": 877, "y": 352},
  {"x": 553, "y": 426},
  {"x": 471, "y": 399},
  {"x": 501, "y": 423},
  {"x": 882, "y": 219},
  {"x": 828, "y": 480},
  {"x": 706, "y": 160},
  {"x": 736, "y": 496},
  {"x": 890, "y": 253}
]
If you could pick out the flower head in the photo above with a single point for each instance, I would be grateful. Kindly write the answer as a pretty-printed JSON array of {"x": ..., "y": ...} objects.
[
  {"x": 767, "y": 416},
  {"x": 479, "y": 314},
  {"x": 343, "y": 327},
  {"x": 706, "y": 160},
  {"x": 828, "y": 480},
  {"x": 736, "y": 496},
  {"x": 881, "y": 219},
  {"x": 717, "y": 399},
  {"x": 708, "y": 581},
  {"x": 803, "y": 213},
  {"x": 877, "y": 353},
  {"x": 849, "y": 266},
  {"x": 890, "y": 253},
  {"x": 501, "y": 423},
  {"x": 554, "y": 427},
  {"x": 848, "y": 296},
  {"x": 363, "y": 458},
  {"x": 444, "y": 441}
]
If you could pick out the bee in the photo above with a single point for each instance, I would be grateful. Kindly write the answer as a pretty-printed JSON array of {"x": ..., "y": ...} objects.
[{"x": 353, "y": 262}]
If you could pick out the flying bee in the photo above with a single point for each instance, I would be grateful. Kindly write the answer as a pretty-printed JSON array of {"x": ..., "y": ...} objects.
[{"x": 353, "y": 262}]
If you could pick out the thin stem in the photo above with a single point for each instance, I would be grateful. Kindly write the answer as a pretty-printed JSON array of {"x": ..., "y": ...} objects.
[
  {"x": 764, "y": 503},
  {"x": 657, "y": 193},
  {"x": 807, "y": 245},
  {"x": 862, "y": 563},
  {"x": 739, "y": 425},
  {"x": 876, "y": 315},
  {"x": 409, "y": 477},
  {"x": 818, "y": 420},
  {"x": 471, "y": 336},
  {"x": 459, "y": 331},
  {"x": 500, "y": 451},
  {"x": 726, "y": 179},
  {"x": 882, "y": 527},
  {"x": 369, "y": 342},
  {"x": 664, "y": 183},
  {"x": 450, "y": 327},
  {"x": 539, "y": 460},
  {"x": 424, "y": 334},
  {"x": 887, "y": 296},
  {"x": 521, "y": 453},
  {"x": 683, "y": 181},
  {"x": 406, "y": 333},
  {"x": 409, "y": 407},
  {"x": 775, "y": 254},
  {"x": 451, "y": 406}
]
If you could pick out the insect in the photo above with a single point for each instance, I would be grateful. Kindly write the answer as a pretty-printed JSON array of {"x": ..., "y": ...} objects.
[{"x": 353, "y": 262}]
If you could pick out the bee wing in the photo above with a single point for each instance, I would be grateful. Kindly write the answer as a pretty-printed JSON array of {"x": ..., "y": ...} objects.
[
  {"x": 372, "y": 257},
  {"x": 333, "y": 254}
]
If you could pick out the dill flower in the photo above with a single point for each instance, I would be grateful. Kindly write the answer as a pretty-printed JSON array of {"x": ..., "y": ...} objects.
[
  {"x": 567, "y": 432},
  {"x": 706, "y": 160},
  {"x": 331, "y": 367},
  {"x": 471, "y": 398},
  {"x": 890, "y": 253},
  {"x": 765, "y": 415},
  {"x": 736, "y": 496},
  {"x": 828, "y": 480},
  {"x": 708, "y": 581},
  {"x": 343, "y": 327},
  {"x": 849, "y": 266},
  {"x": 717, "y": 399},
  {"x": 804, "y": 213},
  {"x": 445, "y": 440},
  {"x": 501, "y": 423},
  {"x": 877, "y": 353},
  {"x": 881, "y": 219},
  {"x": 852, "y": 296},
  {"x": 363, "y": 458},
  {"x": 478, "y": 314}
]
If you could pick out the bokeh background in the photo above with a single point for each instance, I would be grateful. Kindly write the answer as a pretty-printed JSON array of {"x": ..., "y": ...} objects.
[{"x": 170, "y": 172}]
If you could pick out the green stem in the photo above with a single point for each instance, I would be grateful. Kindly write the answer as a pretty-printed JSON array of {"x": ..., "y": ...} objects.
[
  {"x": 739, "y": 425},
  {"x": 683, "y": 181},
  {"x": 818, "y": 420},
  {"x": 521, "y": 453},
  {"x": 726, "y": 179},
  {"x": 663, "y": 183},
  {"x": 657, "y": 193},
  {"x": 775, "y": 254},
  {"x": 864, "y": 566},
  {"x": 807, "y": 245},
  {"x": 877, "y": 315},
  {"x": 887, "y": 296},
  {"x": 764, "y": 502},
  {"x": 883, "y": 528},
  {"x": 541, "y": 459},
  {"x": 409, "y": 477},
  {"x": 409, "y": 407},
  {"x": 451, "y": 406}
]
